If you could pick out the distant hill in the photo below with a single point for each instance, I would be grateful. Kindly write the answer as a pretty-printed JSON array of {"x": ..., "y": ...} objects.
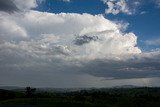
[
  {"x": 126, "y": 86},
  {"x": 47, "y": 89},
  {"x": 92, "y": 97},
  {"x": 11, "y": 87}
]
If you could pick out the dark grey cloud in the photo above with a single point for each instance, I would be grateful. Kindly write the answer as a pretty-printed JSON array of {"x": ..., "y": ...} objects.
[
  {"x": 8, "y": 6},
  {"x": 61, "y": 74},
  {"x": 123, "y": 69},
  {"x": 80, "y": 40}
]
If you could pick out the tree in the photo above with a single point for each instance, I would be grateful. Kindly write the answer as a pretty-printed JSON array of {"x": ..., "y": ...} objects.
[{"x": 30, "y": 91}]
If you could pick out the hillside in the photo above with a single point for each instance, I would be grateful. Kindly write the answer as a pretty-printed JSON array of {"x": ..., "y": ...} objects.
[{"x": 105, "y": 97}]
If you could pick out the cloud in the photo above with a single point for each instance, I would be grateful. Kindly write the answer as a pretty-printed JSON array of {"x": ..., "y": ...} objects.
[
  {"x": 138, "y": 66},
  {"x": 157, "y": 2},
  {"x": 80, "y": 40},
  {"x": 115, "y": 7},
  {"x": 155, "y": 42},
  {"x": 143, "y": 12},
  {"x": 68, "y": 27},
  {"x": 121, "y": 6},
  {"x": 26, "y": 4},
  {"x": 35, "y": 35},
  {"x": 66, "y": 0},
  {"x": 8, "y": 6},
  {"x": 11, "y": 6},
  {"x": 10, "y": 29},
  {"x": 41, "y": 48}
]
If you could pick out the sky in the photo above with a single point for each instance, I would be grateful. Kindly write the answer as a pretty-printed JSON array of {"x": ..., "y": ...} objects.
[{"x": 79, "y": 43}]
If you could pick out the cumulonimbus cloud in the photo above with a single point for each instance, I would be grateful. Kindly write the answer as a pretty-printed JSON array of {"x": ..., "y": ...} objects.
[
  {"x": 68, "y": 28},
  {"x": 40, "y": 41}
]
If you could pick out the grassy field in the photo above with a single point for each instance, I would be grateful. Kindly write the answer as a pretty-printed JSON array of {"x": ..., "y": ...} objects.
[{"x": 115, "y": 97}]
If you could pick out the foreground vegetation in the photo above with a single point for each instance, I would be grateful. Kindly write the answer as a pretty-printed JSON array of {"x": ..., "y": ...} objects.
[{"x": 113, "y": 97}]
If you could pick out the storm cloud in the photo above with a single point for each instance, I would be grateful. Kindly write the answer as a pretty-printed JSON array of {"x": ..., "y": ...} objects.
[
  {"x": 48, "y": 49},
  {"x": 8, "y": 6},
  {"x": 11, "y": 6}
]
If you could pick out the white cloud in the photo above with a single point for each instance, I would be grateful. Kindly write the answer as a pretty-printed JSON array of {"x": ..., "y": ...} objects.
[
  {"x": 66, "y": 27},
  {"x": 10, "y": 29},
  {"x": 115, "y": 7},
  {"x": 122, "y": 25},
  {"x": 121, "y": 6}
]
